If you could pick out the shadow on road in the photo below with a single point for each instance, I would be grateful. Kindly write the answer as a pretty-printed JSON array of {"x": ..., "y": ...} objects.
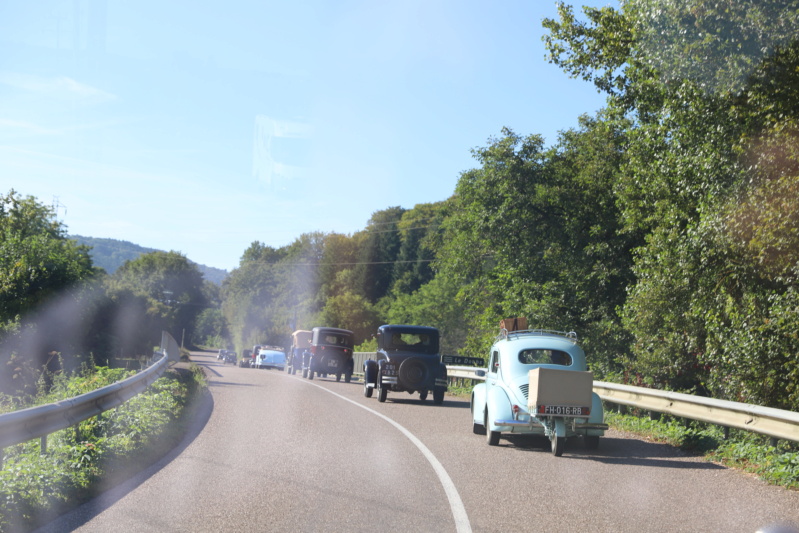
[
  {"x": 615, "y": 451},
  {"x": 212, "y": 384},
  {"x": 410, "y": 400}
]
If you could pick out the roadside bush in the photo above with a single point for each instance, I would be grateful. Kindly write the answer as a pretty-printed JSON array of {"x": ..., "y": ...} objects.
[
  {"x": 742, "y": 450},
  {"x": 35, "y": 486}
]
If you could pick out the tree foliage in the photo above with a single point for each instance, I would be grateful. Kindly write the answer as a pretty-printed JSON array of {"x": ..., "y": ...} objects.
[
  {"x": 709, "y": 178},
  {"x": 167, "y": 287}
]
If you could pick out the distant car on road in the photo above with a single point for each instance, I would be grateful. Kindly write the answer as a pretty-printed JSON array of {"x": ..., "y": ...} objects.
[
  {"x": 271, "y": 358},
  {"x": 229, "y": 356},
  {"x": 407, "y": 360}
]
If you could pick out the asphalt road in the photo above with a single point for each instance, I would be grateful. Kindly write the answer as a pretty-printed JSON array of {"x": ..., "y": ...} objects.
[{"x": 274, "y": 452}]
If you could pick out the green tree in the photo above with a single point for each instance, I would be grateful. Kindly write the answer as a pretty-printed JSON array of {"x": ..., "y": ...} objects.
[
  {"x": 378, "y": 253},
  {"x": 43, "y": 285},
  {"x": 534, "y": 232},
  {"x": 171, "y": 288},
  {"x": 37, "y": 261},
  {"x": 211, "y": 328},
  {"x": 709, "y": 90}
]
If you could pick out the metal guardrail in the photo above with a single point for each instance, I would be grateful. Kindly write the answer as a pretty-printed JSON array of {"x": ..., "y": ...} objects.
[
  {"x": 775, "y": 423},
  {"x": 38, "y": 422}
]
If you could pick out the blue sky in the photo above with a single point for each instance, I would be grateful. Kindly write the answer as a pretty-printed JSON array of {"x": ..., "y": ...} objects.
[{"x": 202, "y": 126}]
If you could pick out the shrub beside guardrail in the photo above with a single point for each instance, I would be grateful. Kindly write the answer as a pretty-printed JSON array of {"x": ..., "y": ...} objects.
[{"x": 38, "y": 422}]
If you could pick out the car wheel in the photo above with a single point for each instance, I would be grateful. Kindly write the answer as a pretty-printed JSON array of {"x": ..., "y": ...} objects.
[
  {"x": 347, "y": 377},
  {"x": 413, "y": 373},
  {"x": 423, "y": 394},
  {"x": 382, "y": 392},
  {"x": 338, "y": 377},
  {"x": 367, "y": 390},
  {"x": 492, "y": 437},
  {"x": 558, "y": 443},
  {"x": 591, "y": 442},
  {"x": 310, "y": 373},
  {"x": 438, "y": 396},
  {"x": 477, "y": 429},
  {"x": 304, "y": 372}
]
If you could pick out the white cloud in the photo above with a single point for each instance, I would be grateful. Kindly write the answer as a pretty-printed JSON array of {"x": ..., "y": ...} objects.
[
  {"x": 26, "y": 127},
  {"x": 60, "y": 86}
]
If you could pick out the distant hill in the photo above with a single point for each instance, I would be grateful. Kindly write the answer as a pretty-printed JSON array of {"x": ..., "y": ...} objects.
[{"x": 110, "y": 254}]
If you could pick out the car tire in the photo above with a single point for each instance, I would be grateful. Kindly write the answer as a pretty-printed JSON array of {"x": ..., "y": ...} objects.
[
  {"x": 367, "y": 390},
  {"x": 304, "y": 372},
  {"x": 591, "y": 442},
  {"x": 438, "y": 396},
  {"x": 413, "y": 373},
  {"x": 310, "y": 373},
  {"x": 492, "y": 437},
  {"x": 338, "y": 377},
  {"x": 558, "y": 444},
  {"x": 423, "y": 394},
  {"x": 382, "y": 391},
  {"x": 477, "y": 429}
]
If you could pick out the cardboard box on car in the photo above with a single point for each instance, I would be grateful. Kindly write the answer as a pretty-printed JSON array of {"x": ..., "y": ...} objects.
[
  {"x": 513, "y": 324},
  {"x": 552, "y": 386}
]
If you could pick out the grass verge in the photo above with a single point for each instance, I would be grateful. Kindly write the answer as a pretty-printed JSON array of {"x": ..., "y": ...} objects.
[{"x": 742, "y": 450}]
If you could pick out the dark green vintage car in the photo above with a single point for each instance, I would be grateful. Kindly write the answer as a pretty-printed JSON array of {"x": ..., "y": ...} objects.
[{"x": 407, "y": 360}]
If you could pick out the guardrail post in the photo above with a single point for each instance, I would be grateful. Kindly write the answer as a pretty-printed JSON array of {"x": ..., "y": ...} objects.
[
  {"x": 621, "y": 409},
  {"x": 773, "y": 442},
  {"x": 726, "y": 433},
  {"x": 43, "y": 444}
]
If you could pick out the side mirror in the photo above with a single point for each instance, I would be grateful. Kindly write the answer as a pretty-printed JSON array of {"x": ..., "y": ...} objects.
[{"x": 480, "y": 373}]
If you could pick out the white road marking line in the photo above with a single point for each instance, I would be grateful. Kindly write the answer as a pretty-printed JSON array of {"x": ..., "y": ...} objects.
[{"x": 459, "y": 515}]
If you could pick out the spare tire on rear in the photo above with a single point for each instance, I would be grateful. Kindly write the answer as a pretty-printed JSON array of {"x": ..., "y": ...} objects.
[{"x": 413, "y": 373}]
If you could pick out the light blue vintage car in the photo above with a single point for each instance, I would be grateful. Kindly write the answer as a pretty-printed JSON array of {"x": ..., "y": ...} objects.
[
  {"x": 536, "y": 383},
  {"x": 270, "y": 358}
]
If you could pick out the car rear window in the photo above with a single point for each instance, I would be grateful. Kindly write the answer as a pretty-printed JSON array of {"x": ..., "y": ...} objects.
[
  {"x": 338, "y": 340},
  {"x": 539, "y": 356}
]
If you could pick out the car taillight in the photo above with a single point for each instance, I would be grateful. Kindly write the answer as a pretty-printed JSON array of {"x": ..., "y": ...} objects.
[{"x": 515, "y": 409}]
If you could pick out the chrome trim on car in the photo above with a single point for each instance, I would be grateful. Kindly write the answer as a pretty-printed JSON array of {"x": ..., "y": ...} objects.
[
  {"x": 513, "y": 423},
  {"x": 589, "y": 425},
  {"x": 389, "y": 380}
]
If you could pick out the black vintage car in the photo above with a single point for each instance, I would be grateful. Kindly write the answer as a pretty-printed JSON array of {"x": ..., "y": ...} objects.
[
  {"x": 330, "y": 353},
  {"x": 407, "y": 360}
]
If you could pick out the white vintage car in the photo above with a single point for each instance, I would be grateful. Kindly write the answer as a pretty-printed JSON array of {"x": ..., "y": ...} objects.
[
  {"x": 270, "y": 359},
  {"x": 536, "y": 383}
]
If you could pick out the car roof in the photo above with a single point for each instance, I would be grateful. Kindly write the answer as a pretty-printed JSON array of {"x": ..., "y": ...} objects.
[
  {"x": 333, "y": 330},
  {"x": 403, "y": 328}
]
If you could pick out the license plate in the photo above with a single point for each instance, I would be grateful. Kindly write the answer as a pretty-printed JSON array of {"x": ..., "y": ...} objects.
[
  {"x": 563, "y": 410},
  {"x": 332, "y": 362}
]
